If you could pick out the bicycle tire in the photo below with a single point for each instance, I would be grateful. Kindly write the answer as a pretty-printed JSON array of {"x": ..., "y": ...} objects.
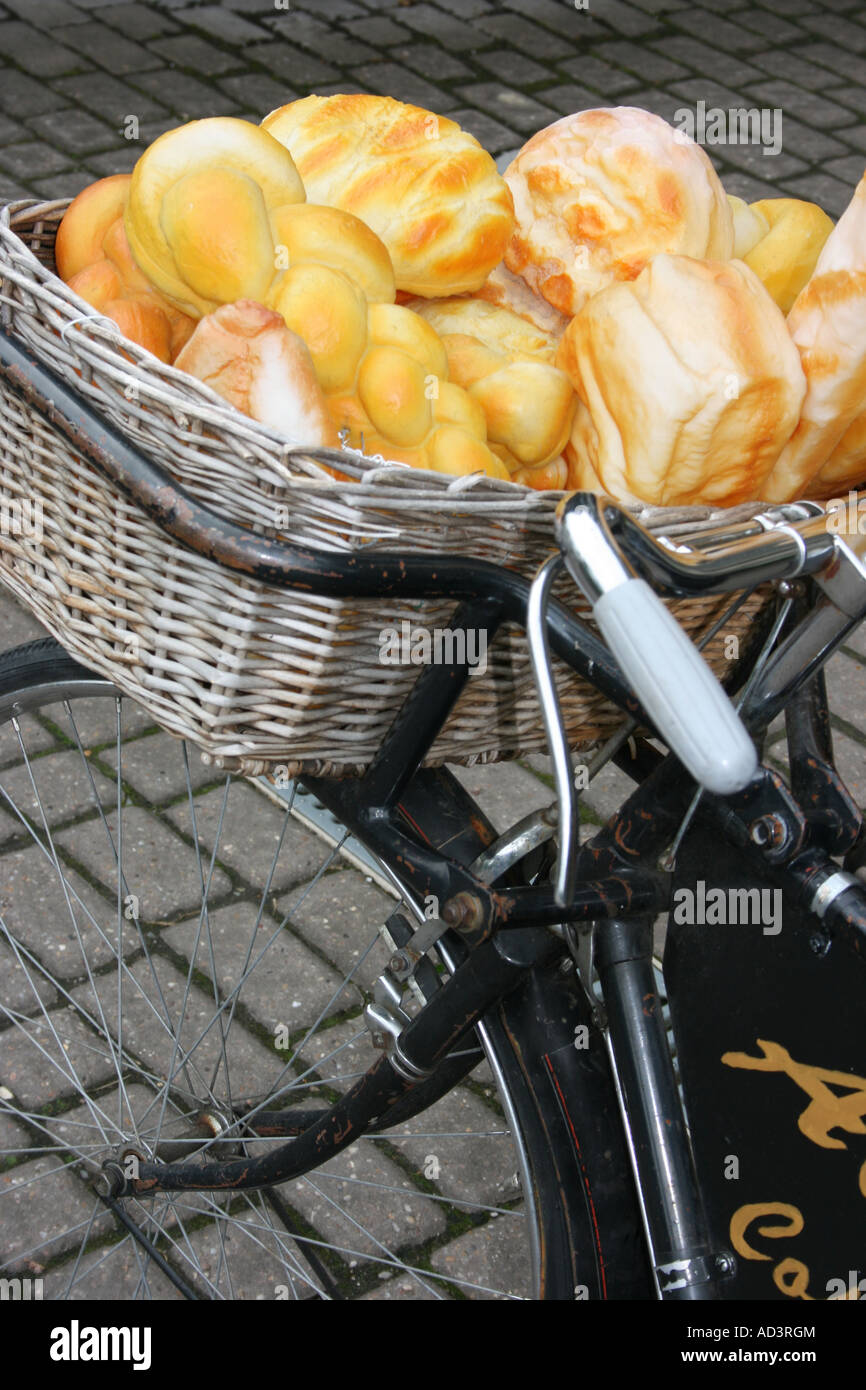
[{"x": 584, "y": 1235}]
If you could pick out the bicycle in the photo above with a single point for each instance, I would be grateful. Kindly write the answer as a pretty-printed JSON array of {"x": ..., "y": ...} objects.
[{"x": 208, "y": 1166}]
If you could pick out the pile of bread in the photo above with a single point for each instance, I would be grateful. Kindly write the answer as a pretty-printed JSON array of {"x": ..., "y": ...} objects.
[{"x": 355, "y": 271}]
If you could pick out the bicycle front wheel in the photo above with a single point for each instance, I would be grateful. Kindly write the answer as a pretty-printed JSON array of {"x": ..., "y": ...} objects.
[{"x": 180, "y": 950}]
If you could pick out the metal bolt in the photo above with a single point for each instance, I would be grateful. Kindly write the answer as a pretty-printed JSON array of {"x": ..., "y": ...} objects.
[
  {"x": 398, "y": 962},
  {"x": 768, "y": 830},
  {"x": 724, "y": 1264},
  {"x": 463, "y": 911}
]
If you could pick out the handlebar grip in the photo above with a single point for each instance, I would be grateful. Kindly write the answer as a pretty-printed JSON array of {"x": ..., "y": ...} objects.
[{"x": 678, "y": 690}]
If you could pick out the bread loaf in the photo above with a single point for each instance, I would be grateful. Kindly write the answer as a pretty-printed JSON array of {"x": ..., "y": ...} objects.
[
  {"x": 247, "y": 355},
  {"x": 93, "y": 256},
  {"x": 425, "y": 186},
  {"x": 598, "y": 194},
  {"x": 198, "y": 214},
  {"x": 689, "y": 384},
  {"x": 785, "y": 257}
]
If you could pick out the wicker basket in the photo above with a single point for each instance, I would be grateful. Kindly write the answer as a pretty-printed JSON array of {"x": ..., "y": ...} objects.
[{"x": 251, "y": 674}]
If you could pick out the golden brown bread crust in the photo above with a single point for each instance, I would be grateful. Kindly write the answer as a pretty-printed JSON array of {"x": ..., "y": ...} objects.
[
  {"x": 688, "y": 381},
  {"x": 425, "y": 186},
  {"x": 599, "y": 193}
]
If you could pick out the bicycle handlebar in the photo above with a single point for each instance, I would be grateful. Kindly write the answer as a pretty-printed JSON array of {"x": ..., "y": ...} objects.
[{"x": 603, "y": 546}]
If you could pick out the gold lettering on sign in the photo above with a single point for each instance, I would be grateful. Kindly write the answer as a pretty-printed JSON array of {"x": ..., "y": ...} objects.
[
  {"x": 743, "y": 1218},
  {"x": 790, "y": 1276},
  {"x": 826, "y": 1110}
]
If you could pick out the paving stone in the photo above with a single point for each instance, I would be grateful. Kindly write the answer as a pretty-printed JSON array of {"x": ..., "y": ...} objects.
[
  {"x": 17, "y": 623},
  {"x": 851, "y": 762},
  {"x": 26, "y": 47},
  {"x": 505, "y": 791},
  {"x": 187, "y": 97},
  {"x": 321, "y": 39},
  {"x": 386, "y": 1218},
  {"x": 520, "y": 34},
  {"x": 806, "y": 142},
  {"x": 106, "y": 47},
  {"x": 448, "y": 29},
  {"x": 250, "y": 1258},
  {"x": 38, "y": 1070},
  {"x": 465, "y": 9},
  {"x": 854, "y": 135},
  {"x": 22, "y": 986},
  {"x": 136, "y": 21},
  {"x": 625, "y": 19},
  {"x": 334, "y": 9},
  {"x": 399, "y": 82},
  {"x": 846, "y": 690},
  {"x": 339, "y": 1055},
  {"x": 569, "y": 97},
  {"x": 381, "y": 33},
  {"x": 831, "y": 194},
  {"x": 63, "y": 788},
  {"x": 750, "y": 189},
  {"x": 33, "y": 159},
  {"x": 856, "y": 642},
  {"x": 152, "y": 1020},
  {"x": 851, "y": 96},
  {"x": 158, "y": 868},
  {"x": 782, "y": 62},
  {"x": 107, "y": 96},
  {"x": 267, "y": 94},
  {"x": 773, "y": 27},
  {"x": 10, "y": 131},
  {"x": 850, "y": 37},
  {"x": 341, "y": 916},
  {"x": 298, "y": 68},
  {"x": 44, "y": 918},
  {"x": 431, "y": 61},
  {"x": 490, "y": 1258},
  {"x": 521, "y": 112},
  {"x": 190, "y": 51},
  {"x": 837, "y": 60},
  {"x": 809, "y": 107},
  {"x": 61, "y": 185},
  {"x": 403, "y": 1287},
  {"x": 848, "y": 167},
  {"x": 221, "y": 23},
  {"x": 110, "y": 1273},
  {"x": 155, "y": 767},
  {"x": 286, "y": 986},
  {"x": 663, "y": 104},
  {"x": 23, "y": 96},
  {"x": 491, "y": 134},
  {"x": 250, "y": 836},
  {"x": 474, "y": 1160},
  {"x": 603, "y": 78},
  {"x": 94, "y": 719},
  {"x": 77, "y": 131},
  {"x": 51, "y": 12},
  {"x": 46, "y": 1210},
  {"x": 607, "y": 791},
  {"x": 725, "y": 67},
  {"x": 713, "y": 29},
  {"x": 648, "y": 65}
]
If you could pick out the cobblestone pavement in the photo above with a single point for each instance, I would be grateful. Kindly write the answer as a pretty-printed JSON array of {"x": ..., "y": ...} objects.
[{"x": 72, "y": 75}]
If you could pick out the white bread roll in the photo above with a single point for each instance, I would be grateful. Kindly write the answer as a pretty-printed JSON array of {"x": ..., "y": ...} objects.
[
  {"x": 248, "y": 356},
  {"x": 425, "y": 186},
  {"x": 496, "y": 327},
  {"x": 689, "y": 382},
  {"x": 828, "y": 325},
  {"x": 599, "y": 193}
]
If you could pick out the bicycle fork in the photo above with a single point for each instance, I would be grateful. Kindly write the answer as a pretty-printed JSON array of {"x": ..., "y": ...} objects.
[{"x": 683, "y": 1263}]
